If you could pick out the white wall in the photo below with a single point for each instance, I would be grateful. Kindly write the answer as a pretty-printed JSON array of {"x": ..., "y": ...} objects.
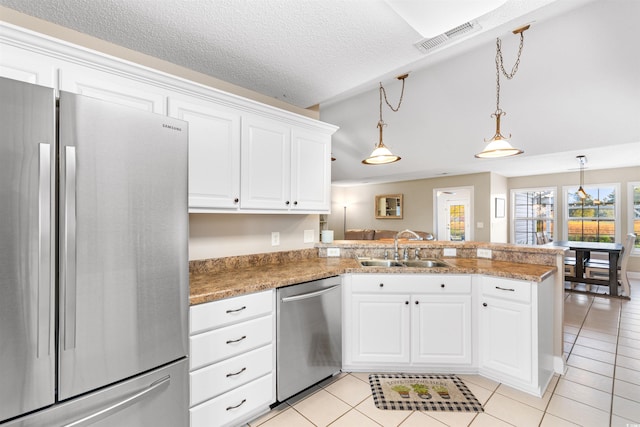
[
  {"x": 499, "y": 226},
  {"x": 223, "y": 235}
]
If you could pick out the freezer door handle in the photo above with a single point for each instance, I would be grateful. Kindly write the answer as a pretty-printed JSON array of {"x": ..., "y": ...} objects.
[
  {"x": 309, "y": 294},
  {"x": 69, "y": 249},
  {"x": 119, "y": 406},
  {"x": 44, "y": 249}
]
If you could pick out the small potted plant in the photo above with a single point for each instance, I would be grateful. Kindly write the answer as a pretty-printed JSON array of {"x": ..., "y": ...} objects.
[
  {"x": 422, "y": 391},
  {"x": 402, "y": 390},
  {"x": 442, "y": 391}
]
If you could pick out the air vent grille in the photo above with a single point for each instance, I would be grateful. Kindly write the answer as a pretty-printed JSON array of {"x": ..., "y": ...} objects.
[{"x": 427, "y": 45}]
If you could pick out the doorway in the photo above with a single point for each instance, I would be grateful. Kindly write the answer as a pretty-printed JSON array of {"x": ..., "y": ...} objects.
[{"x": 453, "y": 213}]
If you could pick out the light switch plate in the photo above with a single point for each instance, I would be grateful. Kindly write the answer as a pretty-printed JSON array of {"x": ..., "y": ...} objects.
[
  {"x": 484, "y": 253},
  {"x": 333, "y": 252},
  {"x": 449, "y": 252},
  {"x": 309, "y": 236}
]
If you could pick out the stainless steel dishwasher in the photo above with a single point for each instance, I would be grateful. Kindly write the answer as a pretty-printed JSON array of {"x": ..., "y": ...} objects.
[{"x": 309, "y": 334}]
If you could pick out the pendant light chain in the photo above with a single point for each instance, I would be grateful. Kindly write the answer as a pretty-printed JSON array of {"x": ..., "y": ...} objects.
[
  {"x": 384, "y": 92},
  {"x": 500, "y": 67}
]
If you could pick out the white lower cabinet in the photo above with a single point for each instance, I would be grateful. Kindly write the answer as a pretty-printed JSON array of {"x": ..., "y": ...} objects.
[
  {"x": 398, "y": 321},
  {"x": 441, "y": 329},
  {"x": 232, "y": 359},
  {"x": 500, "y": 328},
  {"x": 380, "y": 325},
  {"x": 515, "y": 334}
]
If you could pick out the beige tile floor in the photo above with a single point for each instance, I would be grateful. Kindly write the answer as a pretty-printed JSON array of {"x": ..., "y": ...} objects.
[{"x": 600, "y": 388}]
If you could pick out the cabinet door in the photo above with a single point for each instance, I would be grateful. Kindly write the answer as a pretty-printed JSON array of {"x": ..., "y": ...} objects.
[
  {"x": 441, "y": 329},
  {"x": 265, "y": 164},
  {"x": 310, "y": 171},
  {"x": 505, "y": 337},
  {"x": 380, "y": 328},
  {"x": 26, "y": 66},
  {"x": 214, "y": 153},
  {"x": 112, "y": 87}
]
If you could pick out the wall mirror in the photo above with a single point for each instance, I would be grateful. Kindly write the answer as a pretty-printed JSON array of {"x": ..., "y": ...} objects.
[{"x": 388, "y": 206}]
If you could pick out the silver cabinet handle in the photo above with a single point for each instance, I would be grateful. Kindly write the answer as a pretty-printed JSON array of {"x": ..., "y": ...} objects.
[
  {"x": 106, "y": 412},
  {"x": 233, "y": 374},
  {"x": 238, "y": 340},
  {"x": 236, "y": 406},
  {"x": 309, "y": 295},
  {"x": 505, "y": 289},
  {"x": 69, "y": 248},
  {"x": 44, "y": 249},
  {"x": 237, "y": 309}
]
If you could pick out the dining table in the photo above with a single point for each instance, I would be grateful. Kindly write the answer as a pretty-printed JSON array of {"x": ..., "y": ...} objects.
[{"x": 583, "y": 254}]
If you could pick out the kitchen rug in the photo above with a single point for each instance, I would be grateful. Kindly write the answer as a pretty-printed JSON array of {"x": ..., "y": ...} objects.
[{"x": 422, "y": 393}]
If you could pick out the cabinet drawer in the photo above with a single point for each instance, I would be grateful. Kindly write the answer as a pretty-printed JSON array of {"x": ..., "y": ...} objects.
[
  {"x": 513, "y": 290},
  {"x": 411, "y": 283},
  {"x": 215, "y": 314},
  {"x": 216, "y": 379},
  {"x": 226, "y": 409},
  {"x": 219, "y": 344}
]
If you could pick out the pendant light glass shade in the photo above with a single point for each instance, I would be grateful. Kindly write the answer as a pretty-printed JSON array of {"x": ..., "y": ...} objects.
[
  {"x": 581, "y": 193},
  {"x": 381, "y": 155},
  {"x": 498, "y": 146}
]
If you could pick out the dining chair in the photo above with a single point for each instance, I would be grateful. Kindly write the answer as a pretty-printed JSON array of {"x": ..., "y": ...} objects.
[{"x": 599, "y": 269}]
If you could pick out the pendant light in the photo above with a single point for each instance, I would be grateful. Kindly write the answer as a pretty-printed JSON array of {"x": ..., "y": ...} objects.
[
  {"x": 381, "y": 155},
  {"x": 582, "y": 160},
  {"x": 499, "y": 146}
]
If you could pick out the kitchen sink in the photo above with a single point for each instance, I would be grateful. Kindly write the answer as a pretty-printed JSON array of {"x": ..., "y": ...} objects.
[
  {"x": 416, "y": 263},
  {"x": 380, "y": 263},
  {"x": 425, "y": 263}
]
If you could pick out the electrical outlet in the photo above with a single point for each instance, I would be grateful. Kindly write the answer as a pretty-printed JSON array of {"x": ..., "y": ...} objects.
[
  {"x": 484, "y": 253},
  {"x": 333, "y": 252},
  {"x": 275, "y": 238},
  {"x": 309, "y": 236},
  {"x": 480, "y": 225},
  {"x": 449, "y": 252}
]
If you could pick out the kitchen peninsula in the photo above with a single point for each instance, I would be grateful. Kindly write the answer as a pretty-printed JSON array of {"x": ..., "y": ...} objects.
[
  {"x": 221, "y": 278},
  {"x": 500, "y": 317}
]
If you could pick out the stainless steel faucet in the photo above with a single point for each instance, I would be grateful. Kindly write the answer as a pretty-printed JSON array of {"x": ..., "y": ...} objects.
[{"x": 395, "y": 242}]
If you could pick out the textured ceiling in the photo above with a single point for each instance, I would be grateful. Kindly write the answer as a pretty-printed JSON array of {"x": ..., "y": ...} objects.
[{"x": 304, "y": 52}]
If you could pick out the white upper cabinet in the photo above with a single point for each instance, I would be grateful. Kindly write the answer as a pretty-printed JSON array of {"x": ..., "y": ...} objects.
[
  {"x": 214, "y": 153},
  {"x": 244, "y": 156},
  {"x": 27, "y": 66},
  {"x": 112, "y": 87},
  {"x": 284, "y": 167},
  {"x": 265, "y": 165},
  {"x": 310, "y": 170}
]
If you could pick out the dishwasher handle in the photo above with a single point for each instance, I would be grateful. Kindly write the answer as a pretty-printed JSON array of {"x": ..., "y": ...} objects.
[{"x": 309, "y": 294}]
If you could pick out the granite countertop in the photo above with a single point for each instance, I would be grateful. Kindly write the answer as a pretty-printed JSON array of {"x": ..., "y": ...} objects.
[{"x": 218, "y": 284}]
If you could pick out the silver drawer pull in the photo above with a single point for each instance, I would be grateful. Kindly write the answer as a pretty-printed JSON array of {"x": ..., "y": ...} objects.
[
  {"x": 233, "y": 374},
  {"x": 237, "y": 406},
  {"x": 505, "y": 289},
  {"x": 237, "y": 309},
  {"x": 238, "y": 340}
]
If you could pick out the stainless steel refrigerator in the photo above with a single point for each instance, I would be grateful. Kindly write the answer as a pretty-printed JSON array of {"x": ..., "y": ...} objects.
[{"x": 93, "y": 262}]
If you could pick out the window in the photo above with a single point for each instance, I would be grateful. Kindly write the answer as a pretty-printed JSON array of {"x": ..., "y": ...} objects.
[
  {"x": 634, "y": 214},
  {"x": 595, "y": 218},
  {"x": 533, "y": 215}
]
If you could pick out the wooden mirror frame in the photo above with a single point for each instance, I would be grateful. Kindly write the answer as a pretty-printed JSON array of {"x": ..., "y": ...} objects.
[{"x": 386, "y": 206}]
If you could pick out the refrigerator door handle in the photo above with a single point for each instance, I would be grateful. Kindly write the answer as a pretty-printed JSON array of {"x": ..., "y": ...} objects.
[
  {"x": 44, "y": 250},
  {"x": 69, "y": 248},
  {"x": 116, "y": 407}
]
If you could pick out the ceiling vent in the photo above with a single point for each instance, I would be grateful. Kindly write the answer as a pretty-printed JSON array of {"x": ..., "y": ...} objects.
[{"x": 427, "y": 45}]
